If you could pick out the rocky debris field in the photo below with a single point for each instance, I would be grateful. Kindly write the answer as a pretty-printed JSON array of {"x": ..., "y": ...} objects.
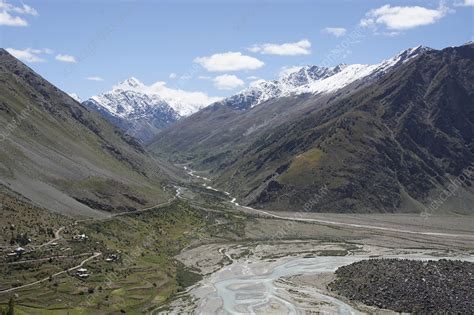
[{"x": 421, "y": 287}]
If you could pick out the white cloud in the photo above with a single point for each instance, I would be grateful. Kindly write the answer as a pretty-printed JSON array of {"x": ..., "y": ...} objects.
[
  {"x": 204, "y": 77},
  {"x": 65, "y": 58},
  {"x": 465, "y": 3},
  {"x": 390, "y": 34},
  {"x": 229, "y": 61},
  {"x": 94, "y": 78},
  {"x": 7, "y": 9},
  {"x": 288, "y": 49},
  {"x": 178, "y": 95},
  {"x": 252, "y": 78},
  {"x": 256, "y": 83},
  {"x": 336, "y": 31},
  {"x": 28, "y": 54},
  {"x": 227, "y": 82},
  {"x": 185, "y": 76},
  {"x": 185, "y": 102},
  {"x": 8, "y": 20},
  {"x": 24, "y": 9},
  {"x": 367, "y": 22},
  {"x": 403, "y": 18},
  {"x": 42, "y": 51}
]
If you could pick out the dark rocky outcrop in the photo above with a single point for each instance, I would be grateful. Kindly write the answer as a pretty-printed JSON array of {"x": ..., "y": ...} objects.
[{"x": 420, "y": 287}]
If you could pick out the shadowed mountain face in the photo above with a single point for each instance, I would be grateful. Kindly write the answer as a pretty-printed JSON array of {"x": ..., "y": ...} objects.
[
  {"x": 138, "y": 114},
  {"x": 143, "y": 111},
  {"x": 392, "y": 143},
  {"x": 144, "y": 117},
  {"x": 64, "y": 157}
]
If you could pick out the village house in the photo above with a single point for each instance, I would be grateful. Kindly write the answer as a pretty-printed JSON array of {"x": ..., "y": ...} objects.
[
  {"x": 82, "y": 273},
  {"x": 112, "y": 258},
  {"x": 80, "y": 237}
]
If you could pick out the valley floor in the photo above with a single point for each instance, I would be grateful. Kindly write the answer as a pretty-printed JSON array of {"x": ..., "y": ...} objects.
[
  {"x": 284, "y": 260},
  {"x": 203, "y": 253},
  {"x": 289, "y": 274},
  {"x": 283, "y": 278}
]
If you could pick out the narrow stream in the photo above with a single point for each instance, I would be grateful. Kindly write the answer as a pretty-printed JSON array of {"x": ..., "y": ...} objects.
[
  {"x": 252, "y": 291},
  {"x": 244, "y": 287},
  {"x": 246, "y": 293}
]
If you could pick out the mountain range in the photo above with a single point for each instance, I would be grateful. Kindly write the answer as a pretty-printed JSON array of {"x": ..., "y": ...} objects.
[
  {"x": 316, "y": 80},
  {"x": 141, "y": 111},
  {"x": 388, "y": 137}
]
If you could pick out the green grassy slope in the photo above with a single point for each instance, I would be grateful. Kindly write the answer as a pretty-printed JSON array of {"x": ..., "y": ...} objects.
[{"x": 144, "y": 277}]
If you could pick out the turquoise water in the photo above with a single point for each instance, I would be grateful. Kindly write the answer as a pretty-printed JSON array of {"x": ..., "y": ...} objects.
[{"x": 245, "y": 293}]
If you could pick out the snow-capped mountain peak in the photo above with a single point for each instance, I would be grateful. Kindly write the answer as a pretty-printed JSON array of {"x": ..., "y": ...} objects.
[
  {"x": 316, "y": 80},
  {"x": 129, "y": 103},
  {"x": 129, "y": 84},
  {"x": 143, "y": 110},
  {"x": 308, "y": 74},
  {"x": 183, "y": 102},
  {"x": 137, "y": 113},
  {"x": 157, "y": 105},
  {"x": 356, "y": 72},
  {"x": 404, "y": 56}
]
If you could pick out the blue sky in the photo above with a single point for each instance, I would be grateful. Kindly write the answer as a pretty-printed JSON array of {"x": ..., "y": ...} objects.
[{"x": 216, "y": 47}]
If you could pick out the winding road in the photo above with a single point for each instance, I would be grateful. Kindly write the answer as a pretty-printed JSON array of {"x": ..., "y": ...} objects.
[
  {"x": 233, "y": 200},
  {"x": 95, "y": 255},
  {"x": 57, "y": 237},
  {"x": 362, "y": 226},
  {"x": 237, "y": 287}
]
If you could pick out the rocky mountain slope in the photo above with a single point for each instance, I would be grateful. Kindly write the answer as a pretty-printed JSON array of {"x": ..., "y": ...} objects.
[
  {"x": 237, "y": 120},
  {"x": 142, "y": 113},
  {"x": 139, "y": 112},
  {"x": 63, "y": 157},
  {"x": 382, "y": 143},
  {"x": 315, "y": 80}
]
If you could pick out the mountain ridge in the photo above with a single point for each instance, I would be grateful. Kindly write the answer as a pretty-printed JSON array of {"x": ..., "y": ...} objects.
[
  {"x": 142, "y": 113},
  {"x": 139, "y": 110},
  {"x": 353, "y": 140},
  {"x": 315, "y": 79},
  {"x": 64, "y": 157}
]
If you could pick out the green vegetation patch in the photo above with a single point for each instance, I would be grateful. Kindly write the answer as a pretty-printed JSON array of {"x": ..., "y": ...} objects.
[{"x": 302, "y": 167}]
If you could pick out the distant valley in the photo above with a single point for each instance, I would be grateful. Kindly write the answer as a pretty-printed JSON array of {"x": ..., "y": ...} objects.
[
  {"x": 364, "y": 132},
  {"x": 322, "y": 127},
  {"x": 138, "y": 201}
]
